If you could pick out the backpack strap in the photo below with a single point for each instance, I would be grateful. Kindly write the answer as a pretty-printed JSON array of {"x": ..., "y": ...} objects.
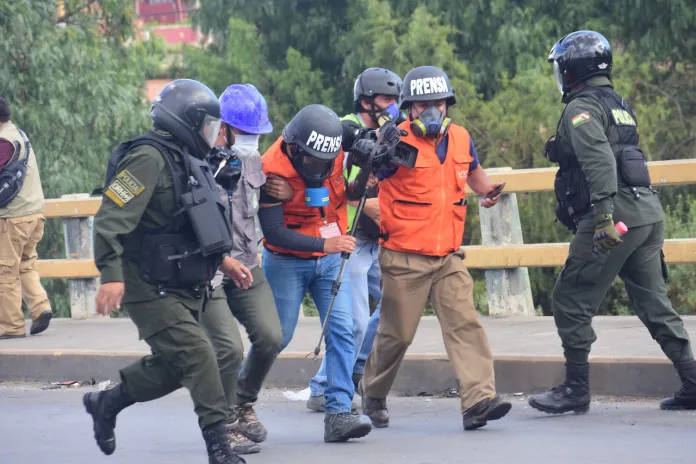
[{"x": 165, "y": 147}]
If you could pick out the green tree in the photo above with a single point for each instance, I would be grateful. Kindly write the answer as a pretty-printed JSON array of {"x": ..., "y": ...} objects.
[{"x": 76, "y": 89}]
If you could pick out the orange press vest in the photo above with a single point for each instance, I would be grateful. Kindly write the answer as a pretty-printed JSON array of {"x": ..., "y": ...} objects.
[
  {"x": 296, "y": 215},
  {"x": 423, "y": 209}
]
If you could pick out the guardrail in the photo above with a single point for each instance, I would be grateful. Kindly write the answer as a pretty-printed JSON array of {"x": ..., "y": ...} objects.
[{"x": 502, "y": 253}]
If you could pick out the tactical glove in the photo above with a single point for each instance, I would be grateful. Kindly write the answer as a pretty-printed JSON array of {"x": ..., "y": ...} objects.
[{"x": 605, "y": 236}]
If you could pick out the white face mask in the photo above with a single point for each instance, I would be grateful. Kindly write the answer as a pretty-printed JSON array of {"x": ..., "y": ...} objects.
[{"x": 246, "y": 145}]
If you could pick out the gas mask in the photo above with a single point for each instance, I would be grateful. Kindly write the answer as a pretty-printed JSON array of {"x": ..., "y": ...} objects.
[
  {"x": 391, "y": 112},
  {"x": 314, "y": 171},
  {"x": 226, "y": 167},
  {"x": 246, "y": 145},
  {"x": 430, "y": 123}
]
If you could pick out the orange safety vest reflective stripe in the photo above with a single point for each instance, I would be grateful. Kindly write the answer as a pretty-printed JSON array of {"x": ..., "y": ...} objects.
[
  {"x": 422, "y": 209},
  {"x": 296, "y": 215}
]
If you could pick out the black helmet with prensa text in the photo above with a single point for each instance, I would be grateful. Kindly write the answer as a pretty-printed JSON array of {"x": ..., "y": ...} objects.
[
  {"x": 426, "y": 83},
  {"x": 315, "y": 135}
]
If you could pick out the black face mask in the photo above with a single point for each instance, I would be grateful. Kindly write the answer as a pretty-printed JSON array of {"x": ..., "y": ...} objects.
[{"x": 314, "y": 171}]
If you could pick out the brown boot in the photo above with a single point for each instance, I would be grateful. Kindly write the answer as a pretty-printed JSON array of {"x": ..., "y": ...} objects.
[
  {"x": 249, "y": 423},
  {"x": 374, "y": 408},
  {"x": 239, "y": 443}
]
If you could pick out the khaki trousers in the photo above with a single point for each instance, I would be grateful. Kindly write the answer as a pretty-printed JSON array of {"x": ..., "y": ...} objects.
[
  {"x": 19, "y": 279},
  {"x": 408, "y": 281}
]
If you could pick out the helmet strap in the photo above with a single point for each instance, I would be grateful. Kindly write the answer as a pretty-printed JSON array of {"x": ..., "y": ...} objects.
[{"x": 374, "y": 111}]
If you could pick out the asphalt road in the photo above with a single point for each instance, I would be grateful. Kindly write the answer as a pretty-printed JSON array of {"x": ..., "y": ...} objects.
[{"x": 50, "y": 426}]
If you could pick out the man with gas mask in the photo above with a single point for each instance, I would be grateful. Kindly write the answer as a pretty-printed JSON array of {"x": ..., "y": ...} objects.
[
  {"x": 160, "y": 234},
  {"x": 422, "y": 215},
  {"x": 603, "y": 180},
  {"x": 375, "y": 90},
  {"x": 244, "y": 118},
  {"x": 303, "y": 239}
]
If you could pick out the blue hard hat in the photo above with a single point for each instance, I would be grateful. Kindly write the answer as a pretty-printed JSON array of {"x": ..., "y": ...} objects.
[{"x": 242, "y": 106}]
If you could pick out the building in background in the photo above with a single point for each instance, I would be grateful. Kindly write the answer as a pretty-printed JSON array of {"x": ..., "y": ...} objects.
[{"x": 168, "y": 19}]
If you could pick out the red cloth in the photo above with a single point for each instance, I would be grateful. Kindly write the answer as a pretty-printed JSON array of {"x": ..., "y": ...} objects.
[{"x": 6, "y": 152}]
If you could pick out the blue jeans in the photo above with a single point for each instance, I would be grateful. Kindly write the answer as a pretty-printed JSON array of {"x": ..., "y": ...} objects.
[
  {"x": 363, "y": 268},
  {"x": 290, "y": 278}
]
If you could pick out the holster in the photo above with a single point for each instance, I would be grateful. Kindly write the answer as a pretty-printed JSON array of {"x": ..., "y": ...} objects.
[{"x": 663, "y": 264}]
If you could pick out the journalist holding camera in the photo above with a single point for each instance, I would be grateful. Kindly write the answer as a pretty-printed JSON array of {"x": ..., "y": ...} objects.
[{"x": 422, "y": 213}]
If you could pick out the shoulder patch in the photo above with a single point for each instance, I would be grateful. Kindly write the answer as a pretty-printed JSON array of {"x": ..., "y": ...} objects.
[
  {"x": 124, "y": 187},
  {"x": 581, "y": 119}
]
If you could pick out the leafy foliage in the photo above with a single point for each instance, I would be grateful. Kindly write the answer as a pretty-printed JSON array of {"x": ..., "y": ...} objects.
[
  {"x": 76, "y": 89},
  {"x": 494, "y": 52}
]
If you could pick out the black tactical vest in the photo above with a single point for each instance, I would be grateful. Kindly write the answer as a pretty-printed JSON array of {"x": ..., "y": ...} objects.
[
  {"x": 186, "y": 252},
  {"x": 571, "y": 187}
]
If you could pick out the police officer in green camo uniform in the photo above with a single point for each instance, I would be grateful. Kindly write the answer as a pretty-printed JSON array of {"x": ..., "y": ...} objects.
[
  {"x": 159, "y": 237},
  {"x": 603, "y": 179}
]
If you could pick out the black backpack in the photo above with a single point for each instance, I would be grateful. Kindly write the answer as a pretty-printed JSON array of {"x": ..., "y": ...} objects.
[{"x": 13, "y": 174}]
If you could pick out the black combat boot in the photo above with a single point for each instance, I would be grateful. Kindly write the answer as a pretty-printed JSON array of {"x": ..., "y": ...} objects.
[
  {"x": 685, "y": 398},
  {"x": 374, "y": 408},
  {"x": 219, "y": 451},
  {"x": 486, "y": 410},
  {"x": 571, "y": 395},
  {"x": 103, "y": 407},
  {"x": 344, "y": 426}
]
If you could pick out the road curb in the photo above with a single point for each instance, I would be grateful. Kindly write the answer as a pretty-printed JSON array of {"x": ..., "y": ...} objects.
[{"x": 420, "y": 374}]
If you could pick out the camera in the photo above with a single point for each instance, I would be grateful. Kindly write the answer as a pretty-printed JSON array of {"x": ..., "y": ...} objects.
[{"x": 386, "y": 151}]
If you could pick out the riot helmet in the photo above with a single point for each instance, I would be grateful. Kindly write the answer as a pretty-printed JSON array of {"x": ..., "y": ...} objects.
[
  {"x": 190, "y": 112},
  {"x": 313, "y": 142},
  {"x": 579, "y": 56}
]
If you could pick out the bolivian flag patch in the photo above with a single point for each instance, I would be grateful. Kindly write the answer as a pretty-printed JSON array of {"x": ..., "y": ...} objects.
[{"x": 580, "y": 119}]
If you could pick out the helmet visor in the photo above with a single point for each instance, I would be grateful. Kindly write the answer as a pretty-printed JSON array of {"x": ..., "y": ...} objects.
[
  {"x": 559, "y": 77},
  {"x": 210, "y": 129}
]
